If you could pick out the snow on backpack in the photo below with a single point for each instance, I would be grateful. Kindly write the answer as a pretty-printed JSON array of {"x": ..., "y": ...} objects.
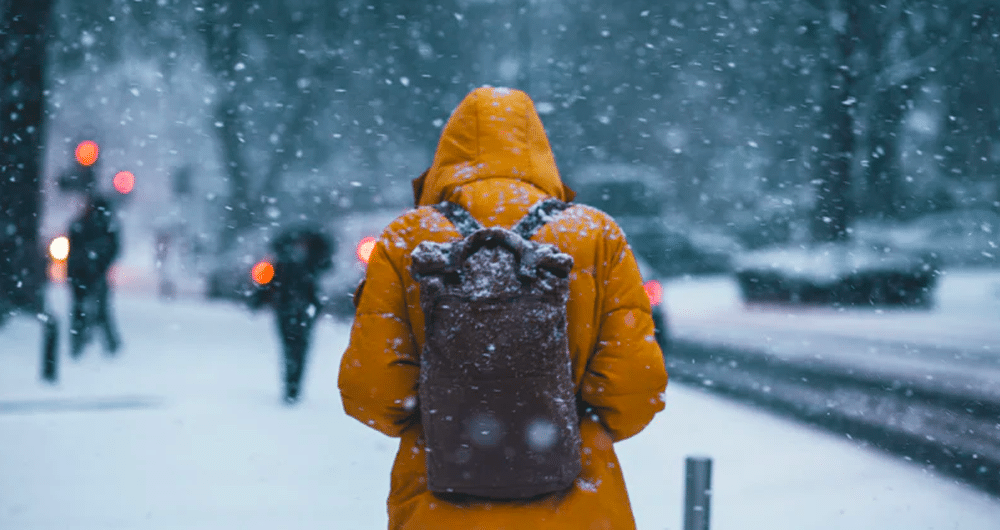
[{"x": 497, "y": 402}]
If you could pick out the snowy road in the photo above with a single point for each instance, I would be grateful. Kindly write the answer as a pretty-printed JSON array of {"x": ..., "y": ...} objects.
[
  {"x": 184, "y": 430},
  {"x": 954, "y": 347},
  {"x": 922, "y": 383}
]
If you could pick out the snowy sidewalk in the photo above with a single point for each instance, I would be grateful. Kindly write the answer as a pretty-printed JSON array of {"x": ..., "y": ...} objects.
[{"x": 184, "y": 430}]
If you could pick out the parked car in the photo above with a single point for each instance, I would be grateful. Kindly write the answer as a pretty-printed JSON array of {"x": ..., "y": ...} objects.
[
  {"x": 356, "y": 234},
  {"x": 363, "y": 231},
  {"x": 671, "y": 250},
  {"x": 634, "y": 196},
  {"x": 229, "y": 274},
  {"x": 959, "y": 238},
  {"x": 836, "y": 274}
]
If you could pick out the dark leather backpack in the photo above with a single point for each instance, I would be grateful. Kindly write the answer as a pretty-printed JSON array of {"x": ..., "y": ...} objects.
[{"x": 497, "y": 401}]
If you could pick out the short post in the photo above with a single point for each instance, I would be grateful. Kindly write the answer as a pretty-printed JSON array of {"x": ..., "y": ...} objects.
[
  {"x": 698, "y": 492},
  {"x": 50, "y": 347}
]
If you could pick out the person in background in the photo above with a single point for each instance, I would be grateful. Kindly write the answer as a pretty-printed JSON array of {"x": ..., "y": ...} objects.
[
  {"x": 93, "y": 247},
  {"x": 302, "y": 255}
]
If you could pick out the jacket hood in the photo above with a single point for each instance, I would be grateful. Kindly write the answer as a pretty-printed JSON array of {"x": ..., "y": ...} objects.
[{"x": 493, "y": 133}]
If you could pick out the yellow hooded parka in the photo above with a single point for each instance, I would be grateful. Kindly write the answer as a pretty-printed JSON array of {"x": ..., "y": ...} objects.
[{"x": 494, "y": 159}]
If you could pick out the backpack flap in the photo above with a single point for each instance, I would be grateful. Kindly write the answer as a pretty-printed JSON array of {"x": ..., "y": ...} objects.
[{"x": 533, "y": 263}]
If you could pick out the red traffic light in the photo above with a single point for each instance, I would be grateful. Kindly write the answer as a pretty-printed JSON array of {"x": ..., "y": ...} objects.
[
  {"x": 124, "y": 181},
  {"x": 87, "y": 152},
  {"x": 262, "y": 273}
]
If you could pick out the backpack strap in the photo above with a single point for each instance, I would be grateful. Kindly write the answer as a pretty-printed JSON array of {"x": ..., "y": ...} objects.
[
  {"x": 538, "y": 215},
  {"x": 464, "y": 222}
]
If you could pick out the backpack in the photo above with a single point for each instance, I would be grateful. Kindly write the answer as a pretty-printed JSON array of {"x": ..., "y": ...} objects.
[{"x": 497, "y": 400}]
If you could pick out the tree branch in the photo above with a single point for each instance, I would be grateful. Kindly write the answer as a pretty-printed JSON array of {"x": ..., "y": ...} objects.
[{"x": 902, "y": 71}]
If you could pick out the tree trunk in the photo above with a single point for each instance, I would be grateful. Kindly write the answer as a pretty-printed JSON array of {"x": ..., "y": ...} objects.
[
  {"x": 22, "y": 120},
  {"x": 832, "y": 210},
  {"x": 238, "y": 215},
  {"x": 883, "y": 178},
  {"x": 222, "y": 29}
]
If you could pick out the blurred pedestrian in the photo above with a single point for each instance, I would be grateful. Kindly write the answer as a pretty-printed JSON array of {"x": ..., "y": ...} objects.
[
  {"x": 302, "y": 255},
  {"x": 494, "y": 163},
  {"x": 93, "y": 247},
  {"x": 162, "y": 252}
]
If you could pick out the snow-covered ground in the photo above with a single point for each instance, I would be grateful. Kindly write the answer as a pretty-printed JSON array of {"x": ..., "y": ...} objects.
[{"x": 184, "y": 429}]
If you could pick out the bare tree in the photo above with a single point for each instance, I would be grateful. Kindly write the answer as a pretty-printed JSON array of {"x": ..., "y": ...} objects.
[
  {"x": 875, "y": 57},
  {"x": 271, "y": 79}
]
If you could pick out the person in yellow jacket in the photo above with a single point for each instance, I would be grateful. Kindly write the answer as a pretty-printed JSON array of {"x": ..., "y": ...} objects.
[{"x": 494, "y": 160}]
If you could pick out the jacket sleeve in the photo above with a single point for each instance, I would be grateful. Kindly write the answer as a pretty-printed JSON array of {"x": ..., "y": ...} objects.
[
  {"x": 625, "y": 377},
  {"x": 380, "y": 368}
]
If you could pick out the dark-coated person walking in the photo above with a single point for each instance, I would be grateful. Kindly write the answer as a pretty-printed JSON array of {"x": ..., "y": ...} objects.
[
  {"x": 93, "y": 247},
  {"x": 301, "y": 257}
]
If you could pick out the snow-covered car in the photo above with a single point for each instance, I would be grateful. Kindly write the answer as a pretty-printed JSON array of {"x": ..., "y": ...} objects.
[
  {"x": 959, "y": 238},
  {"x": 671, "y": 250},
  {"x": 634, "y": 196},
  {"x": 836, "y": 274}
]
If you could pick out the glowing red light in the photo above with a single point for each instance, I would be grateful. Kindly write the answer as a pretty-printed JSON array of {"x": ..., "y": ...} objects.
[
  {"x": 365, "y": 248},
  {"x": 124, "y": 181},
  {"x": 115, "y": 276},
  {"x": 57, "y": 271},
  {"x": 262, "y": 273},
  {"x": 86, "y": 152},
  {"x": 654, "y": 291}
]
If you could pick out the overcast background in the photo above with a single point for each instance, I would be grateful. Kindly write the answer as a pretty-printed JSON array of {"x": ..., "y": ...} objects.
[{"x": 760, "y": 117}]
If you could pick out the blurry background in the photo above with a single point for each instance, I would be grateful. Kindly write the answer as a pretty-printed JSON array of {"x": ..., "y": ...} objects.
[
  {"x": 767, "y": 121},
  {"x": 833, "y": 152}
]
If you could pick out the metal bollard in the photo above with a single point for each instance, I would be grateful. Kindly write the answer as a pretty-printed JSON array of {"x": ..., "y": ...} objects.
[
  {"x": 50, "y": 347},
  {"x": 697, "y": 493}
]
